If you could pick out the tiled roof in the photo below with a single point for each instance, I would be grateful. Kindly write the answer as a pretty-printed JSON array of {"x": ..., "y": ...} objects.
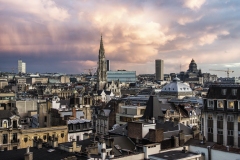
[
  {"x": 75, "y": 121},
  {"x": 4, "y": 114}
]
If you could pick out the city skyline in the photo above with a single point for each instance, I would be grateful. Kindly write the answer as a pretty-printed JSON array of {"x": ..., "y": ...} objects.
[{"x": 60, "y": 36}]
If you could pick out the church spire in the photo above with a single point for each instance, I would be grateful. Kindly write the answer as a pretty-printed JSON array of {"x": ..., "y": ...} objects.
[{"x": 101, "y": 44}]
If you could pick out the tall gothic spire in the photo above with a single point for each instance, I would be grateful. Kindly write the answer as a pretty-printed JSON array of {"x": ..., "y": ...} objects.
[
  {"x": 101, "y": 44},
  {"x": 102, "y": 67}
]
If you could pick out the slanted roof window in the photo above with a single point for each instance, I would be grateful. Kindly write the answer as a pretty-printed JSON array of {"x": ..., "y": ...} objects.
[
  {"x": 220, "y": 104},
  {"x": 230, "y": 105},
  {"x": 234, "y": 92},
  {"x": 210, "y": 103},
  {"x": 224, "y": 91}
]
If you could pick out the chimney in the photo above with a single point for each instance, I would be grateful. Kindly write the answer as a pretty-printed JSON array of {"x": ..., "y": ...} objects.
[
  {"x": 74, "y": 112},
  {"x": 74, "y": 145},
  {"x": 28, "y": 155},
  {"x": 153, "y": 120},
  {"x": 227, "y": 148},
  {"x": 176, "y": 121},
  {"x": 209, "y": 152},
  {"x": 184, "y": 149}
]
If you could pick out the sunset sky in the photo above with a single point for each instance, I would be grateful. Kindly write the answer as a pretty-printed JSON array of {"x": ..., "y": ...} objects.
[{"x": 64, "y": 35}]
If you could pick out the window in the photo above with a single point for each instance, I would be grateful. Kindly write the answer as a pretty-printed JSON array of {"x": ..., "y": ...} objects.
[
  {"x": 5, "y": 138},
  {"x": 230, "y": 104},
  {"x": 224, "y": 91},
  {"x": 230, "y": 118},
  {"x": 220, "y": 131},
  {"x": 15, "y": 124},
  {"x": 210, "y": 103},
  {"x": 210, "y": 130},
  {"x": 238, "y": 119},
  {"x": 220, "y": 117},
  {"x": 220, "y": 104},
  {"x": 70, "y": 127},
  {"x": 14, "y": 137},
  {"x": 210, "y": 116},
  {"x": 4, "y": 124},
  {"x": 234, "y": 92},
  {"x": 238, "y": 105},
  {"x": 230, "y": 132},
  {"x": 77, "y": 126}
]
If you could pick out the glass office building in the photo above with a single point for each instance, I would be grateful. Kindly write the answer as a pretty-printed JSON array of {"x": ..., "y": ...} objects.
[{"x": 122, "y": 76}]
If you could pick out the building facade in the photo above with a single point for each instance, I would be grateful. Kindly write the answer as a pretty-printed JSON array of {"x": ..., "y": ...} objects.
[
  {"x": 221, "y": 115},
  {"x": 159, "y": 69},
  {"x": 121, "y": 76}
]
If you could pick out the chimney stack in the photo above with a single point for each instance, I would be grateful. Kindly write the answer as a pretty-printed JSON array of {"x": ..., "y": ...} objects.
[
  {"x": 74, "y": 112},
  {"x": 28, "y": 155},
  {"x": 227, "y": 148}
]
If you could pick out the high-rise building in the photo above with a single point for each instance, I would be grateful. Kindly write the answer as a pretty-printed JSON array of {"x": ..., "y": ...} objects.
[
  {"x": 108, "y": 65},
  {"x": 159, "y": 69},
  {"x": 21, "y": 66},
  {"x": 102, "y": 68}
]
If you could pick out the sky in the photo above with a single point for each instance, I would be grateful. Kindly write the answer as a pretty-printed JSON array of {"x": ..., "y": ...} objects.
[{"x": 64, "y": 36}]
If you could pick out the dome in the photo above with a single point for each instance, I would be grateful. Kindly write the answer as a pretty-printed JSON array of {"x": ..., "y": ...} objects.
[
  {"x": 193, "y": 66},
  {"x": 176, "y": 88}
]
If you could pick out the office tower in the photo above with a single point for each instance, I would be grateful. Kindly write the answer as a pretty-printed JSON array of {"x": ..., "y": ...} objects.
[
  {"x": 21, "y": 66},
  {"x": 159, "y": 69},
  {"x": 108, "y": 65}
]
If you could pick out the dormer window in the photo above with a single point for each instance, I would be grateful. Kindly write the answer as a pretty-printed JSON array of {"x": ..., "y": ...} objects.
[
  {"x": 234, "y": 92},
  {"x": 220, "y": 104},
  {"x": 224, "y": 91},
  {"x": 210, "y": 103},
  {"x": 230, "y": 105},
  {"x": 5, "y": 124}
]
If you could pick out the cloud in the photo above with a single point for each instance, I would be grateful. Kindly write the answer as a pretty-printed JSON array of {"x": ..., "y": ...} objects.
[
  {"x": 194, "y": 4},
  {"x": 66, "y": 34}
]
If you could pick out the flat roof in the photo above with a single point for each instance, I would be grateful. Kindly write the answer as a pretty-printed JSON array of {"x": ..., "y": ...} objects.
[{"x": 176, "y": 154}]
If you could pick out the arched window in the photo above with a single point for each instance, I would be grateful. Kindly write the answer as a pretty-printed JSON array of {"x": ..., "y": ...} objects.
[{"x": 4, "y": 124}]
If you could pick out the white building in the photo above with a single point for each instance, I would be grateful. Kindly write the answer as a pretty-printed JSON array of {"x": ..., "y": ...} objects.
[{"x": 21, "y": 66}]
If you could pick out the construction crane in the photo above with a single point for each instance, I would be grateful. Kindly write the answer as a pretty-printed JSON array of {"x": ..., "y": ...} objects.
[
  {"x": 91, "y": 71},
  {"x": 13, "y": 69},
  {"x": 228, "y": 71}
]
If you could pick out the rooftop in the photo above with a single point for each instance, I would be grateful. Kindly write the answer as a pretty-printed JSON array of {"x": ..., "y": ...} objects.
[
  {"x": 176, "y": 154},
  {"x": 38, "y": 154}
]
